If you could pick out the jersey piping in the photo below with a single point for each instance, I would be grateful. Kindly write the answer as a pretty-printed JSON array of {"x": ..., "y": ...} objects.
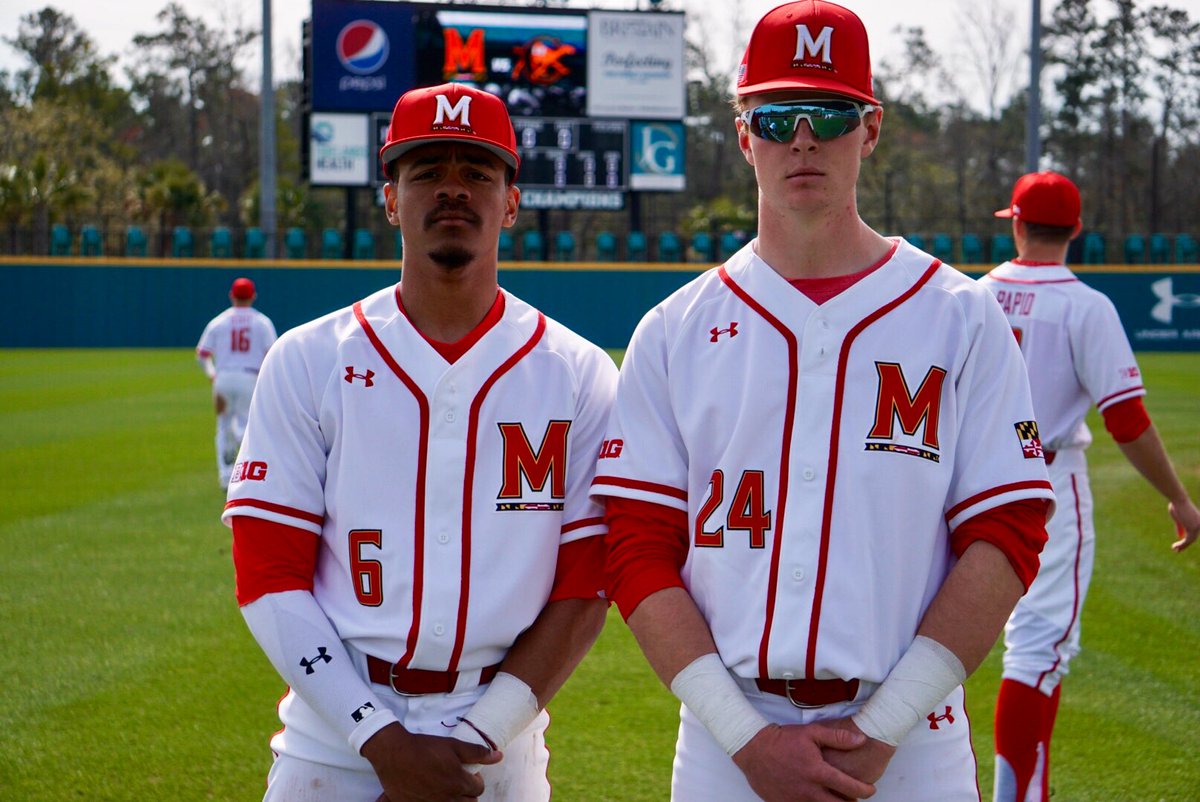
[
  {"x": 648, "y": 487},
  {"x": 279, "y": 508}
]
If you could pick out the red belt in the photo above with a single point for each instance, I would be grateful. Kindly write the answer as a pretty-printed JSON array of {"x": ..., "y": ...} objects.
[
  {"x": 811, "y": 692},
  {"x": 1049, "y": 455},
  {"x": 416, "y": 681}
]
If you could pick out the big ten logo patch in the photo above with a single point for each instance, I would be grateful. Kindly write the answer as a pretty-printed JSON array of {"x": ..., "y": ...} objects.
[
  {"x": 611, "y": 449},
  {"x": 248, "y": 471},
  {"x": 527, "y": 471},
  {"x": 918, "y": 412}
]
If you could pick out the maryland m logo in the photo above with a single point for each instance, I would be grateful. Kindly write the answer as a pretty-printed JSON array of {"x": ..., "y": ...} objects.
[
  {"x": 464, "y": 60},
  {"x": 895, "y": 403},
  {"x": 815, "y": 47},
  {"x": 523, "y": 465}
]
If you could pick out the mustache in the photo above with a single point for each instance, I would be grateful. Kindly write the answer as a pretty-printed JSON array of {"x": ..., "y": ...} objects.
[{"x": 451, "y": 208}]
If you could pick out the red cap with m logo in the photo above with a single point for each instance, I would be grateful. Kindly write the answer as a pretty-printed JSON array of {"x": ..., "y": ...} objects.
[{"x": 450, "y": 112}]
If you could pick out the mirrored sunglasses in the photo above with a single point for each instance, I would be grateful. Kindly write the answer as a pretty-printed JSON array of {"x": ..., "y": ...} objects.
[{"x": 828, "y": 119}]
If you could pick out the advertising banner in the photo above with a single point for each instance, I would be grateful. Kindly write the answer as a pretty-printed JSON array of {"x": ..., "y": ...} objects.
[
  {"x": 339, "y": 152},
  {"x": 635, "y": 65},
  {"x": 657, "y": 156},
  {"x": 362, "y": 58}
]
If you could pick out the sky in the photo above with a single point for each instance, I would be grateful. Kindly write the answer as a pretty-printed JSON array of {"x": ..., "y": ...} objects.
[{"x": 726, "y": 25}]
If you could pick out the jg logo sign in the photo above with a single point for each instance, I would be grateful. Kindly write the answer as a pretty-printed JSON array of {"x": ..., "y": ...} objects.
[{"x": 658, "y": 156}]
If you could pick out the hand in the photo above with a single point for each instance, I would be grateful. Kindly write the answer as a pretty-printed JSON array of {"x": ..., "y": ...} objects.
[
  {"x": 219, "y": 402},
  {"x": 429, "y": 768},
  {"x": 867, "y": 762},
  {"x": 1187, "y": 523},
  {"x": 788, "y": 763}
]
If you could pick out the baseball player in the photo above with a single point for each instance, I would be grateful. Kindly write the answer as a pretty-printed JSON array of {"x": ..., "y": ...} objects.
[
  {"x": 824, "y": 482},
  {"x": 416, "y": 549},
  {"x": 1077, "y": 355},
  {"x": 231, "y": 351}
]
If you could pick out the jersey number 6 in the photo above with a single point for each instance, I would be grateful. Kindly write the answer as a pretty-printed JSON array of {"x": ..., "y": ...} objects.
[
  {"x": 367, "y": 574},
  {"x": 746, "y": 511}
]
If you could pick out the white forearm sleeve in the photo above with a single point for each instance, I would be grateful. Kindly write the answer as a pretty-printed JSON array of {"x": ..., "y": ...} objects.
[
  {"x": 925, "y": 675},
  {"x": 298, "y": 639},
  {"x": 708, "y": 690},
  {"x": 504, "y": 710}
]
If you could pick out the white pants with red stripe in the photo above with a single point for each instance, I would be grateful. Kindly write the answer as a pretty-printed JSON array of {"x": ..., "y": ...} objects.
[
  {"x": 1042, "y": 634},
  {"x": 934, "y": 761}
]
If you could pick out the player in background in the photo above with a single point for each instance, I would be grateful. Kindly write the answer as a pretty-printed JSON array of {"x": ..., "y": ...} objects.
[
  {"x": 231, "y": 351},
  {"x": 825, "y": 491},
  {"x": 415, "y": 547},
  {"x": 1077, "y": 355}
]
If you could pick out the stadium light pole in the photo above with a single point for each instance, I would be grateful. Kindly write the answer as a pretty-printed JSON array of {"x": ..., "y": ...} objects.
[
  {"x": 1033, "y": 115},
  {"x": 266, "y": 138}
]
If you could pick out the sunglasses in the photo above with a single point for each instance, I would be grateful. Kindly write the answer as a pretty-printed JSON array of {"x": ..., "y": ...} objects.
[{"x": 828, "y": 119}]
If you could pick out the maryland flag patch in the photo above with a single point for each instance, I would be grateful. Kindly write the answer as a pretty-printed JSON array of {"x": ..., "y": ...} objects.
[{"x": 1031, "y": 444}]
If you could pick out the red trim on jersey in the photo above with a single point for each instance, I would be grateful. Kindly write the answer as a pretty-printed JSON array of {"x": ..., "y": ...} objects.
[
  {"x": 648, "y": 487},
  {"x": 203, "y": 352},
  {"x": 1127, "y": 420},
  {"x": 834, "y": 441},
  {"x": 581, "y": 524},
  {"x": 789, "y": 414},
  {"x": 1075, "y": 576},
  {"x": 647, "y": 547},
  {"x": 469, "y": 482},
  {"x": 451, "y": 352},
  {"x": 1106, "y": 399},
  {"x": 820, "y": 290},
  {"x": 1031, "y": 263},
  {"x": 1008, "y": 280},
  {"x": 292, "y": 512},
  {"x": 419, "y": 490},
  {"x": 579, "y": 573},
  {"x": 1018, "y": 529},
  {"x": 995, "y": 491},
  {"x": 270, "y": 557}
]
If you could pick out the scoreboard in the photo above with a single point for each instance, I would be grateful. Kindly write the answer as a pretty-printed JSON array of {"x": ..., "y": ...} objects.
[{"x": 576, "y": 153}]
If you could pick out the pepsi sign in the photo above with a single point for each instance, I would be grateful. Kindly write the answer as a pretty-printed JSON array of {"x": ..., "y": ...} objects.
[{"x": 362, "y": 59}]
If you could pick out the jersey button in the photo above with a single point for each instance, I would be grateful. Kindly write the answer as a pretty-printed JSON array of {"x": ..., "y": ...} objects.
[
  {"x": 809, "y": 474},
  {"x": 450, "y": 416},
  {"x": 443, "y": 538},
  {"x": 798, "y": 574},
  {"x": 438, "y": 629}
]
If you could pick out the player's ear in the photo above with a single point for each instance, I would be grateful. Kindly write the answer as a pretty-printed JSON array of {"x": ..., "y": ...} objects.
[
  {"x": 1076, "y": 231},
  {"x": 743, "y": 136},
  {"x": 512, "y": 203},
  {"x": 872, "y": 124},
  {"x": 390, "y": 206}
]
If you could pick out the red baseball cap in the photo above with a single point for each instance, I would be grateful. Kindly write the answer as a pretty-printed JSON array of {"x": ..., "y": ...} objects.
[
  {"x": 1047, "y": 198},
  {"x": 450, "y": 112},
  {"x": 242, "y": 288},
  {"x": 808, "y": 44}
]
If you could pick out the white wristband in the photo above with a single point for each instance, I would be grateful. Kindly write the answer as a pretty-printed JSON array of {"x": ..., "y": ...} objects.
[
  {"x": 925, "y": 675},
  {"x": 708, "y": 690},
  {"x": 506, "y": 708}
]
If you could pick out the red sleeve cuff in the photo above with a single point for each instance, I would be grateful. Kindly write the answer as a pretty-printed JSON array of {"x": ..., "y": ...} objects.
[
  {"x": 1018, "y": 529},
  {"x": 1127, "y": 420},
  {"x": 580, "y": 570},
  {"x": 270, "y": 557},
  {"x": 647, "y": 546}
]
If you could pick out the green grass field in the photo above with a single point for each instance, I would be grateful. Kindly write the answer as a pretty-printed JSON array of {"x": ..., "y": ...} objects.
[{"x": 126, "y": 672}]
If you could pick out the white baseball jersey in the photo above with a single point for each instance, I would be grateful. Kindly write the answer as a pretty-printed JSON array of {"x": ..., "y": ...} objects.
[
  {"x": 440, "y": 492},
  {"x": 1074, "y": 346},
  {"x": 822, "y": 453},
  {"x": 237, "y": 339}
]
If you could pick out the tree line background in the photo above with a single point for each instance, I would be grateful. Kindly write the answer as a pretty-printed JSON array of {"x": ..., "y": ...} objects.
[{"x": 173, "y": 139}]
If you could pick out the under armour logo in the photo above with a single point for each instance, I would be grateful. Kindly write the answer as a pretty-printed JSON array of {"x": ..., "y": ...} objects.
[
  {"x": 309, "y": 664},
  {"x": 934, "y": 718},
  {"x": 1164, "y": 290},
  {"x": 366, "y": 377},
  {"x": 716, "y": 332}
]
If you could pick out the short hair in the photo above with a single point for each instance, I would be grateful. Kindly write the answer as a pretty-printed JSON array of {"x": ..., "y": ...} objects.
[{"x": 1040, "y": 232}]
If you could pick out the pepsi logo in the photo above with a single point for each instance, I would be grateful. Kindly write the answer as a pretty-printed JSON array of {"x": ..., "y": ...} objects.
[{"x": 362, "y": 47}]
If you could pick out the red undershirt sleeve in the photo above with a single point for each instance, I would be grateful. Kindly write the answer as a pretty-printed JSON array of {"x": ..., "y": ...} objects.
[
  {"x": 270, "y": 557},
  {"x": 580, "y": 570},
  {"x": 647, "y": 547},
  {"x": 1127, "y": 420},
  {"x": 1018, "y": 529}
]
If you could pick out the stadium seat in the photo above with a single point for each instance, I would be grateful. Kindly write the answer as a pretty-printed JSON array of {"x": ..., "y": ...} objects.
[
  {"x": 507, "y": 247},
  {"x": 295, "y": 243},
  {"x": 915, "y": 240},
  {"x": 90, "y": 241},
  {"x": 942, "y": 247},
  {"x": 1187, "y": 251},
  {"x": 1003, "y": 248},
  {"x": 669, "y": 247},
  {"x": 564, "y": 246},
  {"x": 332, "y": 246},
  {"x": 635, "y": 247},
  {"x": 703, "y": 246},
  {"x": 532, "y": 246},
  {"x": 364, "y": 244},
  {"x": 972, "y": 250},
  {"x": 135, "y": 241},
  {"x": 1135, "y": 249},
  {"x": 1160, "y": 249},
  {"x": 220, "y": 244},
  {"x": 730, "y": 243},
  {"x": 256, "y": 243},
  {"x": 606, "y": 247},
  {"x": 60, "y": 240},
  {"x": 183, "y": 244},
  {"x": 1095, "y": 249}
]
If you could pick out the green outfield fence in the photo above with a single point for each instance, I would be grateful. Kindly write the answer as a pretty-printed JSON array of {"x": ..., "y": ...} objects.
[{"x": 141, "y": 302}]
